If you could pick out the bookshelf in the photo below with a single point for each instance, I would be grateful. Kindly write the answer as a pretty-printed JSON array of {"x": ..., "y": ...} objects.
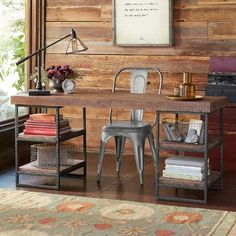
[
  {"x": 59, "y": 170},
  {"x": 210, "y": 142}
]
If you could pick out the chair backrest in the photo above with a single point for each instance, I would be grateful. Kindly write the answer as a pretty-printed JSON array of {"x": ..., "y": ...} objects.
[{"x": 138, "y": 84}]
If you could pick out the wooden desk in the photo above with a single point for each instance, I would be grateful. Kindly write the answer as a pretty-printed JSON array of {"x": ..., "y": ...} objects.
[
  {"x": 105, "y": 99},
  {"x": 149, "y": 102}
]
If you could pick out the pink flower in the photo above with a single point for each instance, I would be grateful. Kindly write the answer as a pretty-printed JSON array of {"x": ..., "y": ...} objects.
[{"x": 61, "y": 73}]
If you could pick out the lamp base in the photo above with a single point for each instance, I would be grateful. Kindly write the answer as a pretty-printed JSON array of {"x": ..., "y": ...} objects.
[{"x": 39, "y": 93}]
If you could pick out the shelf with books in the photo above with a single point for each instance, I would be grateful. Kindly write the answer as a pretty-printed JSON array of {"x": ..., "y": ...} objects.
[
  {"x": 188, "y": 183},
  {"x": 188, "y": 172},
  {"x": 51, "y": 139},
  {"x": 43, "y": 129}
]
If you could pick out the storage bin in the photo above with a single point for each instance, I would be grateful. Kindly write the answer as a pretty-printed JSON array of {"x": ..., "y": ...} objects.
[
  {"x": 44, "y": 155},
  {"x": 187, "y": 131}
]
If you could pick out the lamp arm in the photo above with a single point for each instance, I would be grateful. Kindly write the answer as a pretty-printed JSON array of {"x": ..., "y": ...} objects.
[{"x": 40, "y": 50}]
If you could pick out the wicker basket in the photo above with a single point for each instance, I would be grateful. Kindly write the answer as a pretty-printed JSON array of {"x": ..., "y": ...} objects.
[
  {"x": 44, "y": 155},
  {"x": 187, "y": 131}
]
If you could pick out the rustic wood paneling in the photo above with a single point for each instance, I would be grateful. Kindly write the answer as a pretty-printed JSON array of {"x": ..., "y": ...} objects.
[
  {"x": 222, "y": 30},
  {"x": 215, "y": 2},
  {"x": 202, "y": 28},
  {"x": 110, "y": 63}
]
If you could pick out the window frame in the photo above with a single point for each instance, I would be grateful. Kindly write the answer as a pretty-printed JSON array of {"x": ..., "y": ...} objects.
[{"x": 35, "y": 13}]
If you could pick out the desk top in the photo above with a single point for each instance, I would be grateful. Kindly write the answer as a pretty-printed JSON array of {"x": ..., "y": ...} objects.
[{"x": 99, "y": 98}]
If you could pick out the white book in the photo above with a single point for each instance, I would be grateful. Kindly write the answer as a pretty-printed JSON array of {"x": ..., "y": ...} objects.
[
  {"x": 192, "y": 174},
  {"x": 182, "y": 177},
  {"x": 189, "y": 168},
  {"x": 183, "y": 171},
  {"x": 185, "y": 161}
]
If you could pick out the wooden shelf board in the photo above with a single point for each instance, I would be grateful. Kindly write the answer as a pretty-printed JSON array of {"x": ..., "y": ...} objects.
[
  {"x": 50, "y": 139},
  {"x": 191, "y": 184},
  {"x": 30, "y": 169},
  {"x": 180, "y": 146}
]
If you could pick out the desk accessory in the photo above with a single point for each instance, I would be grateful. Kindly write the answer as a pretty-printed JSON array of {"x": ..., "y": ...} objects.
[
  {"x": 75, "y": 46},
  {"x": 187, "y": 89},
  {"x": 68, "y": 86}
]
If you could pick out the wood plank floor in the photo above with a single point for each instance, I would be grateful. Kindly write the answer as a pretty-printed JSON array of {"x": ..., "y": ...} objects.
[{"x": 126, "y": 186}]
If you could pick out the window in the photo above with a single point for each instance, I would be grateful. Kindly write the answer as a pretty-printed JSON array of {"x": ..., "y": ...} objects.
[{"x": 12, "y": 46}]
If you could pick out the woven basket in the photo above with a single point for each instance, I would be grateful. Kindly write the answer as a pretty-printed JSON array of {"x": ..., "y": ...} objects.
[
  {"x": 44, "y": 155},
  {"x": 188, "y": 131}
]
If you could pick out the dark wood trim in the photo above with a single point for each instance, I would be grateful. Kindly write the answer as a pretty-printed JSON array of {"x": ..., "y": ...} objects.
[{"x": 10, "y": 124}]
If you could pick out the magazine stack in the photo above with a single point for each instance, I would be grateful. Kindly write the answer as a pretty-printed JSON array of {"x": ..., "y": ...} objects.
[{"x": 184, "y": 167}]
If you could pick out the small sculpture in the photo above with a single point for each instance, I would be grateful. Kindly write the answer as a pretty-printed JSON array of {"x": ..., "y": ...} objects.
[{"x": 192, "y": 136}]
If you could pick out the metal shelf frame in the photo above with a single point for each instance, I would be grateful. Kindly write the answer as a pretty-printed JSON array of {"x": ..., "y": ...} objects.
[
  {"x": 205, "y": 149},
  {"x": 57, "y": 140}
]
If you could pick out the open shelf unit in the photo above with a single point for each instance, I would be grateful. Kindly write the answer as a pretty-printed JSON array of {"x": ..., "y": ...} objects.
[
  {"x": 59, "y": 169},
  {"x": 214, "y": 180}
]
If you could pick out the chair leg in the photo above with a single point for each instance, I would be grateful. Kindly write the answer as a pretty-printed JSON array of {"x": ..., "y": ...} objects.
[
  {"x": 153, "y": 149},
  {"x": 120, "y": 143},
  {"x": 139, "y": 158},
  {"x": 101, "y": 158}
]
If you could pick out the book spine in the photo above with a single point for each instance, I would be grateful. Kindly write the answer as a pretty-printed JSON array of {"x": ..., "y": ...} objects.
[
  {"x": 45, "y": 123},
  {"x": 46, "y": 132},
  {"x": 192, "y": 174},
  {"x": 44, "y": 117},
  {"x": 182, "y": 177},
  {"x": 41, "y": 126},
  {"x": 167, "y": 132},
  {"x": 184, "y": 167}
]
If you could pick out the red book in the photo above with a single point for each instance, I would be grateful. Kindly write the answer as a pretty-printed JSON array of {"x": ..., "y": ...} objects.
[
  {"x": 44, "y": 117},
  {"x": 46, "y": 132},
  {"x": 46, "y": 126}
]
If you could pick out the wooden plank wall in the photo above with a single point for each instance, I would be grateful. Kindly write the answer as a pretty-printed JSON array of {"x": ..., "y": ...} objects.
[{"x": 202, "y": 28}]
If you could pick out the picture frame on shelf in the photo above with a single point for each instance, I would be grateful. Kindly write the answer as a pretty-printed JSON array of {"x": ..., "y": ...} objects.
[
  {"x": 142, "y": 23},
  {"x": 195, "y": 132}
]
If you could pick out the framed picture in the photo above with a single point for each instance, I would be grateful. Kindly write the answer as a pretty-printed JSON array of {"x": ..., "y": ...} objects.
[{"x": 142, "y": 22}]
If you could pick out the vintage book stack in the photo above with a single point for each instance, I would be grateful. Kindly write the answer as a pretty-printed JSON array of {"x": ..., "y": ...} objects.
[
  {"x": 184, "y": 167},
  {"x": 45, "y": 124}
]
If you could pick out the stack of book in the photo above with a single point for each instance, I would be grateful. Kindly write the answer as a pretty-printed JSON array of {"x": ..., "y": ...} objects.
[
  {"x": 184, "y": 167},
  {"x": 45, "y": 124}
]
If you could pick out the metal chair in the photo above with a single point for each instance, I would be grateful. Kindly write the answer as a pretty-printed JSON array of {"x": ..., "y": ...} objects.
[{"x": 135, "y": 129}]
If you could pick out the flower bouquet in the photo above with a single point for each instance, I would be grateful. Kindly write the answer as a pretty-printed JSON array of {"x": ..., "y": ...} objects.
[
  {"x": 62, "y": 72},
  {"x": 57, "y": 74}
]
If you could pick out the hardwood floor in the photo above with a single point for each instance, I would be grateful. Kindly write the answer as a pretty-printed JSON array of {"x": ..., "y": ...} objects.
[{"x": 126, "y": 186}]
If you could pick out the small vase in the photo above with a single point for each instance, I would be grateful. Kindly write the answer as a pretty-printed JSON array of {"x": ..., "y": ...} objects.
[{"x": 55, "y": 85}]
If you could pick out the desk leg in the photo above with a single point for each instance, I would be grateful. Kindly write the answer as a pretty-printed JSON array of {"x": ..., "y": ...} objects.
[
  {"x": 58, "y": 148},
  {"x": 157, "y": 164},
  {"x": 84, "y": 141},
  {"x": 16, "y": 146}
]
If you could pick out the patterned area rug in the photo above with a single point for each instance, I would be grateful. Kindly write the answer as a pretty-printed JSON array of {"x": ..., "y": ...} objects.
[{"x": 41, "y": 214}]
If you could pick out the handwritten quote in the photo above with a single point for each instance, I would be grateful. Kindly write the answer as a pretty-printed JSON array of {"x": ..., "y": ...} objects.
[
  {"x": 140, "y": 9},
  {"x": 142, "y": 22}
]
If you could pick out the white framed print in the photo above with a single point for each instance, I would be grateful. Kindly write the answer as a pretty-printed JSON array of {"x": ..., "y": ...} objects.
[{"x": 142, "y": 22}]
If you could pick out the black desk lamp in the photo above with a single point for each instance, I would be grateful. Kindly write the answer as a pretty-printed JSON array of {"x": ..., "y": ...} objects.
[{"x": 75, "y": 46}]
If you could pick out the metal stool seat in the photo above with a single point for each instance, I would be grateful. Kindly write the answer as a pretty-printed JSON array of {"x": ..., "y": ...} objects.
[{"x": 135, "y": 130}]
